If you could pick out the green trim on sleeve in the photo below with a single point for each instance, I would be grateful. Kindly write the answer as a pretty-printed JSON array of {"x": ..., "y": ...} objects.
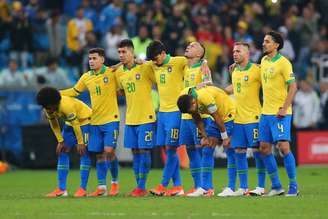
[{"x": 291, "y": 81}]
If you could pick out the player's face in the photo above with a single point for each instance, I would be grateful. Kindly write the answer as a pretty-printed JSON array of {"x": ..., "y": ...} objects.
[
  {"x": 51, "y": 108},
  {"x": 240, "y": 53},
  {"x": 159, "y": 59},
  {"x": 193, "y": 50},
  {"x": 194, "y": 106},
  {"x": 95, "y": 61},
  {"x": 125, "y": 54},
  {"x": 269, "y": 45}
]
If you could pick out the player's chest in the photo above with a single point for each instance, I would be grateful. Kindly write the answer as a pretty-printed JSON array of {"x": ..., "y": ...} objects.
[
  {"x": 270, "y": 72},
  {"x": 167, "y": 74},
  {"x": 130, "y": 81},
  {"x": 100, "y": 84},
  {"x": 192, "y": 78}
]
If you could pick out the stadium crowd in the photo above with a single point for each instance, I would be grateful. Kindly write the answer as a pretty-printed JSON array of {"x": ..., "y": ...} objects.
[{"x": 46, "y": 42}]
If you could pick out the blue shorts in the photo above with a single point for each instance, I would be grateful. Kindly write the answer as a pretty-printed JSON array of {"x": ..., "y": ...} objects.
[
  {"x": 212, "y": 129},
  {"x": 245, "y": 135},
  {"x": 273, "y": 129},
  {"x": 168, "y": 125},
  {"x": 103, "y": 136},
  {"x": 69, "y": 135},
  {"x": 139, "y": 136},
  {"x": 189, "y": 133}
]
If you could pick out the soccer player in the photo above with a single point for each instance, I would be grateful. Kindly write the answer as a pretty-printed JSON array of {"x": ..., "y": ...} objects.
[
  {"x": 101, "y": 83},
  {"x": 193, "y": 75},
  {"x": 246, "y": 83},
  {"x": 136, "y": 81},
  {"x": 169, "y": 78},
  {"x": 215, "y": 102},
  {"x": 279, "y": 88},
  {"x": 75, "y": 132}
]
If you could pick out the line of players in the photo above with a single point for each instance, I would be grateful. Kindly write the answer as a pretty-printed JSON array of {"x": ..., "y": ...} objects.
[{"x": 209, "y": 117}]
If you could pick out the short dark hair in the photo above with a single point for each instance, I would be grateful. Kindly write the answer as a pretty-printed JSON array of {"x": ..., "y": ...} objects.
[
  {"x": 48, "y": 96},
  {"x": 184, "y": 103},
  {"x": 126, "y": 43},
  {"x": 100, "y": 51},
  {"x": 154, "y": 49},
  {"x": 51, "y": 60},
  {"x": 277, "y": 38}
]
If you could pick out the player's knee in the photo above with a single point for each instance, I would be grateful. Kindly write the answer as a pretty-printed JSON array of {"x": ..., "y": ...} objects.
[
  {"x": 240, "y": 150},
  {"x": 284, "y": 147},
  {"x": 265, "y": 148},
  {"x": 213, "y": 141},
  {"x": 101, "y": 157}
]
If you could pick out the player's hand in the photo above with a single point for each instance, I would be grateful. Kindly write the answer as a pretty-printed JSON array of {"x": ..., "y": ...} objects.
[
  {"x": 81, "y": 148},
  {"x": 139, "y": 61},
  {"x": 204, "y": 141},
  {"x": 226, "y": 143},
  {"x": 231, "y": 67},
  {"x": 115, "y": 67},
  {"x": 282, "y": 112},
  {"x": 60, "y": 147}
]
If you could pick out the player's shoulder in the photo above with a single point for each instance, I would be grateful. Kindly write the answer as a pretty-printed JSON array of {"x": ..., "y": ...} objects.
[
  {"x": 284, "y": 60},
  {"x": 179, "y": 59}
]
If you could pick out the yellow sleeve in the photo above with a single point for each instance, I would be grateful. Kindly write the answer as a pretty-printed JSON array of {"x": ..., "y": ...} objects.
[
  {"x": 149, "y": 72},
  {"x": 117, "y": 79},
  {"x": 78, "y": 88},
  {"x": 287, "y": 72},
  {"x": 208, "y": 101},
  {"x": 55, "y": 127},
  {"x": 71, "y": 117}
]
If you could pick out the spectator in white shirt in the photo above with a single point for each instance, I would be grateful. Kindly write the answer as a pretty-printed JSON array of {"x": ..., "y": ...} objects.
[{"x": 12, "y": 77}]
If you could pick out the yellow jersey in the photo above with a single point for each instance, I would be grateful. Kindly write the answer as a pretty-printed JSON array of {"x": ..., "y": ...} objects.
[
  {"x": 211, "y": 99},
  {"x": 192, "y": 77},
  {"x": 137, "y": 85},
  {"x": 102, "y": 87},
  {"x": 74, "y": 112},
  {"x": 276, "y": 75},
  {"x": 246, "y": 89},
  {"x": 169, "y": 79}
]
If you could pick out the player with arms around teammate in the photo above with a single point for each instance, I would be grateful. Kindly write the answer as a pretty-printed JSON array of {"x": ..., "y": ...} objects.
[
  {"x": 189, "y": 135},
  {"x": 136, "y": 82},
  {"x": 279, "y": 88},
  {"x": 101, "y": 83},
  {"x": 216, "y": 103},
  {"x": 169, "y": 79},
  {"x": 246, "y": 83},
  {"x": 75, "y": 132}
]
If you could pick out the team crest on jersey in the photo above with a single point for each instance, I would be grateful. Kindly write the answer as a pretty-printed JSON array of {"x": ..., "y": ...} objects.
[
  {"x": 192, "y": 77},
  {"x": 169, "y": 69},
  {"x": 138, "y": 76},
  {"x": 246, "y": 78},
  {"x": 105, "y": 80}
]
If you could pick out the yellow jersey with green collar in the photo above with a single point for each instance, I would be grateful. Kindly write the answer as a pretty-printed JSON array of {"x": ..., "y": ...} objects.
[
  {"x": 276, "y": 75},
  {"x": 102, "y": 87},
  {"x": 137, "y": 85},
  {"x": 211, "y": 99},
  {"x": 169, "y": 79},
  {"x": 246, "y": 89},
  {"x": 192, "y": 77},
  {"x": 74, "y": 112}
]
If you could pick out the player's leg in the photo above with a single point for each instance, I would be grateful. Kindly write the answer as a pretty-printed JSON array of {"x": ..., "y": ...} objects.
[
  {"x": 131, "y": 142},
  {"x": 85, "y": 165},
  {"x": 282, "y": 136},
  {"x": 188, "y": 137},
  {"x": 96, "y": 145},
  {"x": 239, "y": 143},
  {"x": 266, "y": 139},
  {"x": 111, "y": 132}
]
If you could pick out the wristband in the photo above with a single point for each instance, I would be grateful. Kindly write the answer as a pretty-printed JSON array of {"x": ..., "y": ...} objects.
[{"x": 224, "y": 135}]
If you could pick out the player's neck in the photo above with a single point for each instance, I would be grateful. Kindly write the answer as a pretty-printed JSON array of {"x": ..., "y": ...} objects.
[
  {"x": 272, "y": 54},
  {"x": 130, "y": 64},
  {"x": 193, "y": 61},
  {"x": 243, "y": 64}
]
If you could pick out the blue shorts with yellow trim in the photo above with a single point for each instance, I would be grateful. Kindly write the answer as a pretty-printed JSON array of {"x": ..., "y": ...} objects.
[
  {"x": 168, "y": 125},
  {"x": 103, "y": 136},
  {"x": 273, "y": 129},
  {"x": 212, "y": 130},
  {"x": 189, "y": 133},
  {"x": 69, "y": 135},
  {"x": 139, "y": 136},
  {"x": 245, "y": 135}
]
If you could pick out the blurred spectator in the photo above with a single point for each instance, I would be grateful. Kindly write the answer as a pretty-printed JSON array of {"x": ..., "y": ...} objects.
[
  {"x": 20, "y": 35},
  {"x": 92, "y": 42},
  {"x": 241, "y": 34},
  {"x": 288, "y": 49},
  {"x": 56, "y": 34},
  {"x": 131, "y": 19},
  {"x": 141, "y": 42},
  {"x": 51, "y": 75},
  {"x": 12, "y": 77},
  {"x": 109, "y": 15},
  {"x": 112, "y": 38},
  {"x": 306, "y": 107},
  {"x": 157, "y": 33},
  {"x": 76, "y": 31},
  {"x": 31, "y": 9},
  {"x": 324, "y": 104},
  {"x": 91, "y": 13},
  {"x": 5, "y": 19}
]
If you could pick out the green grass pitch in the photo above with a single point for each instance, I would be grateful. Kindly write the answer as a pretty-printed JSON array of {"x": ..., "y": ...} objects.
[{"x": 22, "y": 196}]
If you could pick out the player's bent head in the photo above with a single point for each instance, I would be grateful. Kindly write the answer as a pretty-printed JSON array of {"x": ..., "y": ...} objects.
[
  {"x": 277, "y": 38},
  {"x": 155, "y": 49},
  {"x": 99, "y": 51},
  {"x": 185, "y": 103},
  {"x": 48, "y": 97}
]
